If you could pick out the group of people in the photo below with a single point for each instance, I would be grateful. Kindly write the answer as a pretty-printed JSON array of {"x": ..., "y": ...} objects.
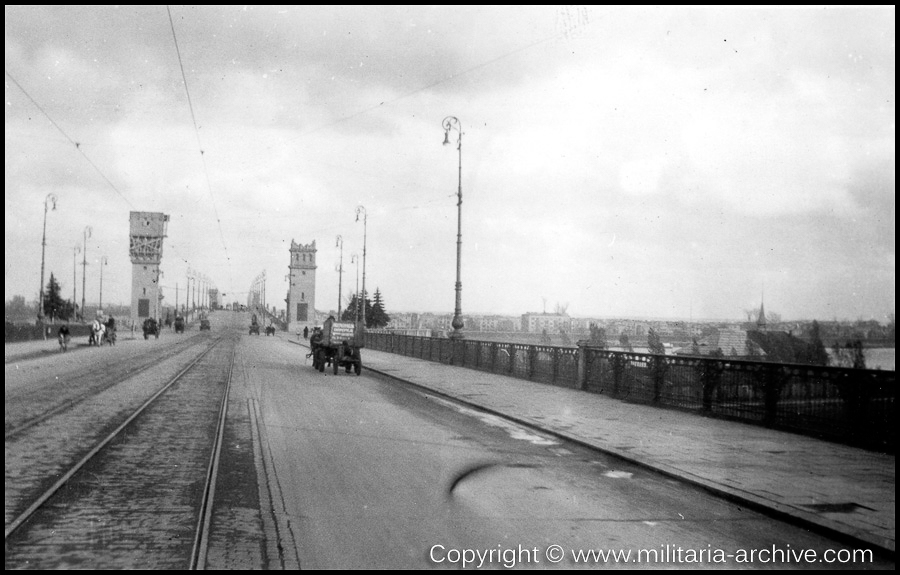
[{"x": 102, "y": 331}]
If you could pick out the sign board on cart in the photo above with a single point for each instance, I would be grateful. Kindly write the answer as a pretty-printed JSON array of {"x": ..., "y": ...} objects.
[{"x": 336, "y": 332}]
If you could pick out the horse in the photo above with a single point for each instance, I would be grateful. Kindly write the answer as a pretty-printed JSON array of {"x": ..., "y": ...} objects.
[{"x": 98, "y": 330}]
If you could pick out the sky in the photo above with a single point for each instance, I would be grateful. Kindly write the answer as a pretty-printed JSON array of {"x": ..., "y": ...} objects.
[{"x": 616, "y": 162}]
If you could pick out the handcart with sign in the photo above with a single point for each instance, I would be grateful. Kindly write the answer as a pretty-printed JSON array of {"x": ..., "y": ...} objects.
[{"x": 337, "y": 344}]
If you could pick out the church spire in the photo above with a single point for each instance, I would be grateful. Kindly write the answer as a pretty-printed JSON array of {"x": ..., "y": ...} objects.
[{"x": 761, "y": 320}]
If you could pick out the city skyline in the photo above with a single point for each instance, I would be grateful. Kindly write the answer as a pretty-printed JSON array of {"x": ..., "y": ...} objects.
[{"x": 627, "y": 162}]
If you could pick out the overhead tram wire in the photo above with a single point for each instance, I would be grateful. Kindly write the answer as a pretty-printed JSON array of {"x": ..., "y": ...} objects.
[
  {"x": 73, "y": 142},
  {"x": 78, "y": 147},
  {"x": 199, "y": 143}
]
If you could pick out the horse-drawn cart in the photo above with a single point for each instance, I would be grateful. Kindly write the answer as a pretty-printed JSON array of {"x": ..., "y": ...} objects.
[{"x": 337, "y": 344}]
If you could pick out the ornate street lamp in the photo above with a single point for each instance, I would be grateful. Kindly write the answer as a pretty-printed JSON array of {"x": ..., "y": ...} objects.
[
  {"x": 354, "y": 258},
  {"x": 51, "y": 199},
  {"x": 340, "y": 270},
  {"x": 87, "y": 234},
  {"x": 452, "y": 123},
  {"x": 75, "y": 251},
  {"x": 365, "y": 218},
  {"x": 103, "y": 261}
]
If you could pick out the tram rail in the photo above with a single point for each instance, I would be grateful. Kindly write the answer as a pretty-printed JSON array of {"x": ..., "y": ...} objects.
[{"x": 127, "y": 447}]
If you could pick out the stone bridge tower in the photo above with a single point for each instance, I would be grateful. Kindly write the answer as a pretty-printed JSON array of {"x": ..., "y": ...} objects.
[
  {"x": 301, "y": 304},
  {"x": 147, "y": 232}
]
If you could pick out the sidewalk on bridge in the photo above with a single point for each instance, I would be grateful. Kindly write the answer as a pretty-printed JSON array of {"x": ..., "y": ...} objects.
[{"x": 840, "y": 490}]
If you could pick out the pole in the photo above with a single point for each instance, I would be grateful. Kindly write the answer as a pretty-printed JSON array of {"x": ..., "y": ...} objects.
[
  {"x": 451, "y": 122},
  {"x": 50, "y": 198},
  {"x": 87, "y": 234},
  {"x": 365, "y": 223},
  {"x": 75, "y": 251},
  {"x": 340, "y": 242},
  {"x": 103, "y": 261},
  {"x": 355, "y": 258}
]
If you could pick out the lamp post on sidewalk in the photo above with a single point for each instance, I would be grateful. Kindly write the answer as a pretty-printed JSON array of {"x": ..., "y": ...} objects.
[
  {"x": 452, "y": 123},
  {"x": 52, "y": 199},
  {"x": 354, "y": 258},
  {"x": 103, "y": 261},
  {"x": 340, "y": 270},
  {"x": 75, "y": 251},
  {"x": 87, "y": 234},
  {"x": 365, "y": 219}
]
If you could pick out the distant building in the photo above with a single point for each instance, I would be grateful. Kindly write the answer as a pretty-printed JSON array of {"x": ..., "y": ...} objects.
[
  {"x": 538, "y": 322},
  {"x": 759, "y": 344}
]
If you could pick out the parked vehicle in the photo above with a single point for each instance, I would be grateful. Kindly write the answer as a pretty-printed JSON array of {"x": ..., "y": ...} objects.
[
  {"x": 204, "y": 324},
  {"x": 179, "y": 324},
  {"x": 270, "y": 330},
  {"x": 151, "y": 327},
  {"x": 337, "y": 344}
]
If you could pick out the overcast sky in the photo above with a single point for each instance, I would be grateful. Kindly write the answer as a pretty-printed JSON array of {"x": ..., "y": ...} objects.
[{"x": 666, "y": 163}]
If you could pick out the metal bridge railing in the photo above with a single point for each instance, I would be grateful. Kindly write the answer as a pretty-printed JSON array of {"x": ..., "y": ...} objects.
[{"x": 853, "y": 406}]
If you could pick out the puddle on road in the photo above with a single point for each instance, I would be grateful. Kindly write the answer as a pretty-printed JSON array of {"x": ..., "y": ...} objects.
[
  {"x": 619, "y": 474},
  {"x": 514, "y": 430}
]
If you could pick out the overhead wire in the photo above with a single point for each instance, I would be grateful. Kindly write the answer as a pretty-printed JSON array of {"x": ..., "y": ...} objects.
[
  {"x": 199, "y": 143},
  {"x": 73, "y": 142}
]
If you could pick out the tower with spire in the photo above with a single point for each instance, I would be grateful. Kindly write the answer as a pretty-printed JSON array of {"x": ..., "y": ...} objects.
[{"x": 761, "y": 320}]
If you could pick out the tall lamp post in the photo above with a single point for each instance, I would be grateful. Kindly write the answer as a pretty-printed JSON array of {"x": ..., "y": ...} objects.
[
  {"x": 103, "y": 261},
  {"x": 87, "y": 234},
  {"x": 75, "y": 251},
  {"x": 365, "y": 218},
  {"x": 187, "y": 295},
  {"x": 159, "y": 273},
  {"x": 354, "y": 258},
  {"x": 452, "y": 123},
  {"x": 340, "y": 270},
  {"x": 51, "y": 199}
]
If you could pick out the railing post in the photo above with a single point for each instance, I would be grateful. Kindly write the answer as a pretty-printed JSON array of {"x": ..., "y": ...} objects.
[
  {"x": 618, "y": 361},
  {"x": 554, "y": 360},
  {"x": 581, "y": 361}
]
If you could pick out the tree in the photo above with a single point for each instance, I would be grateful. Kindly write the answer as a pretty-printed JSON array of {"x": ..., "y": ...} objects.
[
  {"x": 598, "y": 336},
  {"x": 365, "y": 310},
  {"x": 377, "y": 317},
  {"x": 17, "y": 309},
  {"x": 695, "y": 347},
  {"x": 350, "y": 312},
  {"x": 54, "y": 305},
  {"x": 818, "y": 353},
  {"x": 851, "y": 354},
  {"x": 654, "y": 343}
]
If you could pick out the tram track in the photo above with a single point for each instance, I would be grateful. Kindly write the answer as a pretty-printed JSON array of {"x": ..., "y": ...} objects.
[
  {"x": 27, "y": 406},
  {"x": 81, "y": 388},
  {"x": 111, "y": 499}
]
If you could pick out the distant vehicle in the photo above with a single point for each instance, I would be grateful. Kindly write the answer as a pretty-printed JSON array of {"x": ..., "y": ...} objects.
[
  {"x": 179, "y": 324},
  {"x": 204, "y": 324},
  {"x": 270, "y": 330},
  {"x": 151, "y": 327},
  {"x": 254, "y": 326}
]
